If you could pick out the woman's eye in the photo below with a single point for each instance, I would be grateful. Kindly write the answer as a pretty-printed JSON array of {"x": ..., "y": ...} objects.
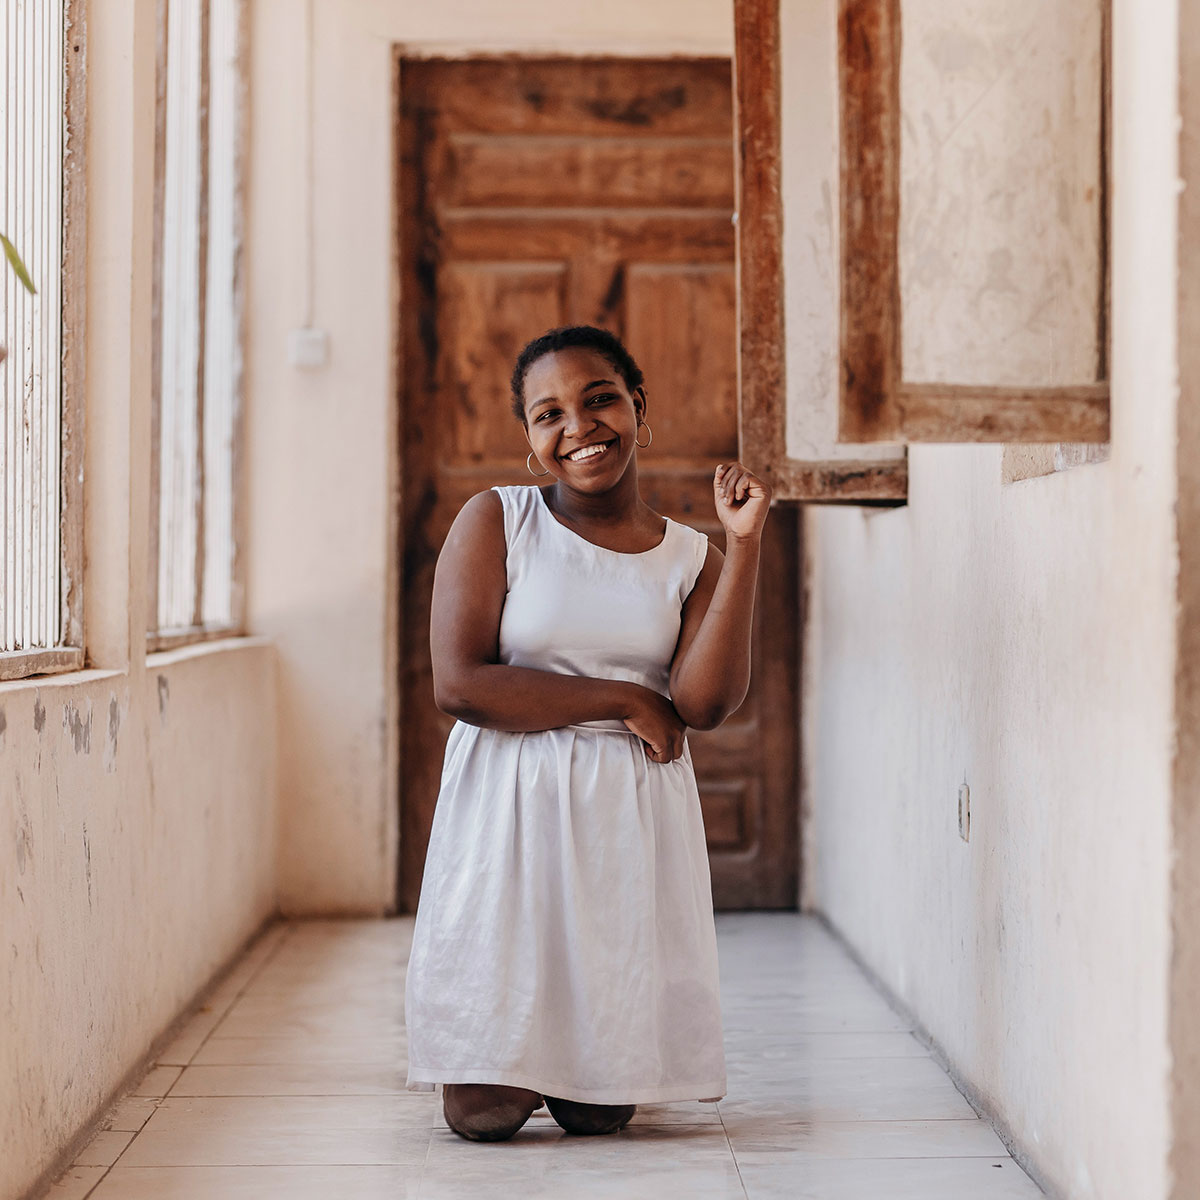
[
  {"x": 601, "y": 399},
  {"x": 549, "y": 412}
]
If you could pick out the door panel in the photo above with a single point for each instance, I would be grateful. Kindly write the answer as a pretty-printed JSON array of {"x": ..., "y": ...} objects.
[{"x": 538, "y": 193}]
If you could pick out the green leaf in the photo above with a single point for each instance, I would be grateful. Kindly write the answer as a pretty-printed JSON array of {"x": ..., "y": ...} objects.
[{"x": 14, "y": 261}]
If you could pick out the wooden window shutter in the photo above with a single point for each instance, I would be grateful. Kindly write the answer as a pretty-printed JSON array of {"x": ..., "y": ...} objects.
[
  {"x": 974, "y": 222},
  {"x": 802, "y": 459}
]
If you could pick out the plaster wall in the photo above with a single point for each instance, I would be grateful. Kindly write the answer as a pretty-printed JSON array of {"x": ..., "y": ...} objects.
[
  {"x": 1019, "y": 638},
  {"x": 137, "y": 798},
  {"x": 138, "y": 858},
  {"x": 324, "y": 551}
]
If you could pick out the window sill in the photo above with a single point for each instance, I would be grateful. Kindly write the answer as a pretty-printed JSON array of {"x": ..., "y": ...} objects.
[{"x": 211, "y": 643}]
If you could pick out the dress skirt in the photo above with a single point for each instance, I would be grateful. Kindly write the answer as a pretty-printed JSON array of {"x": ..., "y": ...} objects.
[{"x": 564, "y": 938}]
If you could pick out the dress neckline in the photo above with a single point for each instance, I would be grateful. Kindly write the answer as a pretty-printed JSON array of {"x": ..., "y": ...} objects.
[{"x": 604, "y": 549}]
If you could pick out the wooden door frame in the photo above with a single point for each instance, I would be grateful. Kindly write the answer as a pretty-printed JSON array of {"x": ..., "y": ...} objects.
[{"x": 755, "y": 377}]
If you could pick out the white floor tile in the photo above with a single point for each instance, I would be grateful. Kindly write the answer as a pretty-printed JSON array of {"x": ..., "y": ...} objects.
[
  {"x": 760, "y": 1142},
  {"x": 293, "y": 1085},
  {"x": 212, "y": 1144},
  {"x": 75, "y": 1183},
  {"x": 104, "y": 1149},
  {"x": 297, "y": 1114},
  {"x": 891, "y": 1179},
  {"x": 293, "y": 1079},
  {"x": 302, "y": 1049},
  {"x": 259, "y": 1183}
]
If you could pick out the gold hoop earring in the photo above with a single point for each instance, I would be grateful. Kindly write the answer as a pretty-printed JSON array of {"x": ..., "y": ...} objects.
[
  {"x": 649, "y": 439},
  {"x": 530, "y": 465}
]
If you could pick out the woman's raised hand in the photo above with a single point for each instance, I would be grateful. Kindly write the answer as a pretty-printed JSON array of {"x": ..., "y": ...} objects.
[
  {"x": 742, "y": 500},
  {"x": 654, "y": 719}
]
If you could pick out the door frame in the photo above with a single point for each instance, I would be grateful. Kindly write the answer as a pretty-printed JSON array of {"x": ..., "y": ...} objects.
[{"x": 754, "y": 377}]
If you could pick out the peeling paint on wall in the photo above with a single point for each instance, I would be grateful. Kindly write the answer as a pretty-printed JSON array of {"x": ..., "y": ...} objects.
[
  {"x": 164, "y": 694},
  {"x": 3, "y": 727},
  {"x": 87, "y": 862},
  {"x": 115, "y": 713},
  {"x": 24, "y": 840},
  {"x": 39, "y": 713},
  {"x": 79, "y": 727}
]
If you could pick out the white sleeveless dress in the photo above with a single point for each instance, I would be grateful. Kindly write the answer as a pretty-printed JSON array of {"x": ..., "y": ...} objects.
[{"x": 564, "y": 937}]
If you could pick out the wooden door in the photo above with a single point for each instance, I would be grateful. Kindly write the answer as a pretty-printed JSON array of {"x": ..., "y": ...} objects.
[{"x": 536, "y": 193}]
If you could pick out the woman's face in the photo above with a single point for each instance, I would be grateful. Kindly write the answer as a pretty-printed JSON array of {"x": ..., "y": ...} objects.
[{"x": 580, "y": 418}]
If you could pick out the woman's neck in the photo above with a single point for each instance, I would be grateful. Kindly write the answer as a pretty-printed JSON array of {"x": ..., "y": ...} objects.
[{"x": 621, "y": 503}]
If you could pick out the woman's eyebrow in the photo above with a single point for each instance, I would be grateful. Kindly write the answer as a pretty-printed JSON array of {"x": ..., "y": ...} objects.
[{"x": 598, "y": 383}]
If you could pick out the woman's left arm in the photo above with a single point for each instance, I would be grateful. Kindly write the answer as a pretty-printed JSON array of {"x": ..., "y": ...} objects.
[{"x": 710, "y": 672}]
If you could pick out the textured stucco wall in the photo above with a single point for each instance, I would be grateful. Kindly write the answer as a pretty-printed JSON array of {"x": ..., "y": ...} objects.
[
  {"x": 1020, "y": 638},
  {"x": 321, "y": 443},
  {"x": 1000, "y": 201},
  {"x": 138, "y": 856}
]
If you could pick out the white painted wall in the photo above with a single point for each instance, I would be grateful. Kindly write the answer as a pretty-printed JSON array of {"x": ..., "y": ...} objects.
[
  {"x": 1020, "y": 638},
  {"x": 138, "y": 858},
  {"x": 137, "y": 798},
  {"x": 321, "y": 444}
]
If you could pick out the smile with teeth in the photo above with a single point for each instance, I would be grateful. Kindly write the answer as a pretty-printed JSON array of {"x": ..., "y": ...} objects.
[{"x": 587, "y": 452}]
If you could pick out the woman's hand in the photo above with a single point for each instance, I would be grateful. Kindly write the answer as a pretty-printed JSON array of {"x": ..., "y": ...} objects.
[
  {"x": 742, "y": 500},
  {"x": 654, "y": 719}
]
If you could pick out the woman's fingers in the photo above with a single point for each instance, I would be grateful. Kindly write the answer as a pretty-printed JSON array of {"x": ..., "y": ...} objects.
[
  {"x": 667, "y": 754},
  {"x": 733, "y": 483}
]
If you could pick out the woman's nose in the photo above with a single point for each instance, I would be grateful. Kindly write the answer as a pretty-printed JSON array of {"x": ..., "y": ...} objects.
[{"x": 579, "y": 422}]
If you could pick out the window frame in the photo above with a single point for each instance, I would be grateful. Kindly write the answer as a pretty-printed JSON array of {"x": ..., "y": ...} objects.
[
  {"x": 70, "y": 655},
  {"x": 762, "y": 393},
  {"x": 876, "y": 403},
  {"x": 168, "y": 638}
]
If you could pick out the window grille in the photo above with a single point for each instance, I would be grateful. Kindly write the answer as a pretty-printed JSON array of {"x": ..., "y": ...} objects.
[{"x": 36, "y": 600}]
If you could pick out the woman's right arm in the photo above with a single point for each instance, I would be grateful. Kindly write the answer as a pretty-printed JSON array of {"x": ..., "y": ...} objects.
[{"x": 469, "y": 681}]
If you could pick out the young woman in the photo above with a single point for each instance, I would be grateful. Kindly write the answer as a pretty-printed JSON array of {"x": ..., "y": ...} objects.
[{"x": 564, "y": 945}]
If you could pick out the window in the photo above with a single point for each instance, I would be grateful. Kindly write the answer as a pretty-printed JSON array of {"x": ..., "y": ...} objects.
[
  {"x": 785, "y": 86},
  {"x": 974, "y": 221},
  {"x": 194, "y": 578},
  {"x": 923, "y": 229},
  {"x": 40, "y": 396}
]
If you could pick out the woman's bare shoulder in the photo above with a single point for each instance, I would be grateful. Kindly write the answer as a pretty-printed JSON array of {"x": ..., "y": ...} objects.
[{"x": 480, "y": 523}]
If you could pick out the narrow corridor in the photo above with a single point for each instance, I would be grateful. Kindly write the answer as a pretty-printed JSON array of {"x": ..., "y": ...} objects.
[{"x": 290, "y": 1083}]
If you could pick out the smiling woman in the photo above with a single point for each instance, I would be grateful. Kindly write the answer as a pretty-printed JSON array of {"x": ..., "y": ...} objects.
[{"x": 564, "y": 944}]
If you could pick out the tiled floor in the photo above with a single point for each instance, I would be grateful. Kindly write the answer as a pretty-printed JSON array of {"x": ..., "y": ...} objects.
[{"x": 291, "y": 1084}]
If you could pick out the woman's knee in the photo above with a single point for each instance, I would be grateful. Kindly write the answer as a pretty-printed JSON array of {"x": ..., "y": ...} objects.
[
  {"x": 576, "y": 1117},
  {"x": 487, "y": 1112}
]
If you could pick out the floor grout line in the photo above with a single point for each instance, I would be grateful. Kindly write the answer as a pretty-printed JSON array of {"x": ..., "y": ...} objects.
[{"x": 732, "y": 1152}]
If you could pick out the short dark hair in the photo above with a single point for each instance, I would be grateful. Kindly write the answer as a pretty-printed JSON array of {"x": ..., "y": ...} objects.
[{"x": 590, "y": 337}]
